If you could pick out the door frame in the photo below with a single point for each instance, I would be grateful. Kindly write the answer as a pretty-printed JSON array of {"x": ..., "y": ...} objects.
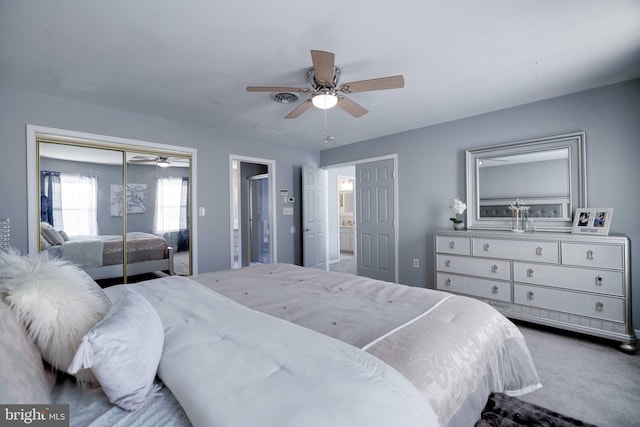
[
  {"x": 271, "y": 172},
  {"x": 396, "y": 227}
]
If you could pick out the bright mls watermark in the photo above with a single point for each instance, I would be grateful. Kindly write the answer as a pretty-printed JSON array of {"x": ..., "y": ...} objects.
[{"x": 34, "y": 415}]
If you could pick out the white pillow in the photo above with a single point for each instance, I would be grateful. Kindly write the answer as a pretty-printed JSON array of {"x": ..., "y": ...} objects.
[
  {"x": 123, "y": 350},
  {"x": 55, "y": 301}
]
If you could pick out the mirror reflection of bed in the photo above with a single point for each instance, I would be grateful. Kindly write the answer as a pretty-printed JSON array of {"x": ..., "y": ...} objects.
[{"x": 85, "y": 210}]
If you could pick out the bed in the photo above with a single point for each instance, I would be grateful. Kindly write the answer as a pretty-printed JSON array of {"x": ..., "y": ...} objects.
[
  {"x": 102, "y": 256},
  {"x": 281, "y": 345}
]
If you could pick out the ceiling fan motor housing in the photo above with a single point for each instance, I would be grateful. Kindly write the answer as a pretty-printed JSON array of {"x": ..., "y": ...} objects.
[{"x": 311, "y": 76}]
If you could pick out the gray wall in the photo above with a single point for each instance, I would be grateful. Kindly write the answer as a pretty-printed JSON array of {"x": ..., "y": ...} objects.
[
  {"x": 19, "y": 108},
  {"x": 431, "y": 165}
]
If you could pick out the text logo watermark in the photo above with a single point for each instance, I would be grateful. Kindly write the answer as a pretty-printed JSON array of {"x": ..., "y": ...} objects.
[{"x": 34, "y": 415}]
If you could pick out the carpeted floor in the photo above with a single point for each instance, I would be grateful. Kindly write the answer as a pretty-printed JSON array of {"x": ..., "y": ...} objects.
[{"x": 584, "y": 377}]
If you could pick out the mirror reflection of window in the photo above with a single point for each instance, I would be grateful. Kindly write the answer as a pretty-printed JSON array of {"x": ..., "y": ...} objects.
[
  {"x": 171, "y": 204},
  {"x": 79, "y": 204}
]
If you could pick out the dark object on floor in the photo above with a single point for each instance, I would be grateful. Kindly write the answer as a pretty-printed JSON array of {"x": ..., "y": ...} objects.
[{"x": 505, "y": 411}]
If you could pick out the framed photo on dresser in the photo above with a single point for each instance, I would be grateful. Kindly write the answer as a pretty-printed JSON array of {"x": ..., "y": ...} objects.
[{"x": 592, "y": 221}]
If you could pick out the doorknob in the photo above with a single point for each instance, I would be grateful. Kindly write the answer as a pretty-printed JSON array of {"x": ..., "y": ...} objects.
[{"x": 307, "y": 229}]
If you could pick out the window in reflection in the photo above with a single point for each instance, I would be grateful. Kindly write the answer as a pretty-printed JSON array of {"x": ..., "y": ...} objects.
[{"x": 78, "y": 204}]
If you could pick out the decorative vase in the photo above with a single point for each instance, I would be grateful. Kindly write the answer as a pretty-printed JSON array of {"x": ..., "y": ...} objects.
[{"x": 458, "y": 226}]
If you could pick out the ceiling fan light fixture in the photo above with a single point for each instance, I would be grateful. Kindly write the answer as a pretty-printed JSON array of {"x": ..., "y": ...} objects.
[
  {"x": 325, "y": 99},
  {"x": 163, "y": 163}
]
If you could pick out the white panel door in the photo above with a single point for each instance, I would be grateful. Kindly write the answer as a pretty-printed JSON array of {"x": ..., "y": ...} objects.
[
  {"x": 314, "y": 217},
  {"x": 375, "y": 220}
]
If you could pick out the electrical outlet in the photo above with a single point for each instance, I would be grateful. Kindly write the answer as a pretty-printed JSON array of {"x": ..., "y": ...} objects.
[{"x": 416, "y": 263}]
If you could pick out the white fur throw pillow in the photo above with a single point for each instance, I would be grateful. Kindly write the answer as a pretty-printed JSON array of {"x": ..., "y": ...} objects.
[{"x": 56, "y": 302}]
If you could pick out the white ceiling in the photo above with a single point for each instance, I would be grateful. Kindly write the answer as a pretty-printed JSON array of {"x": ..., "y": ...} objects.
[{"x": 190, "y": 61}]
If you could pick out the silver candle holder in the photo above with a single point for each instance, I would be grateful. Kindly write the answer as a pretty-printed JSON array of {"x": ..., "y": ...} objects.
[{"x": 519, "y": 215}]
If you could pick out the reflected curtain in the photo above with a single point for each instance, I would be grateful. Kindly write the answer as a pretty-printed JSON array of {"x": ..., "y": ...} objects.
[
  {"x": 183, "y": 236},
  {"x": 172, "y": 210},
  {"x": 51, "y": 199}
]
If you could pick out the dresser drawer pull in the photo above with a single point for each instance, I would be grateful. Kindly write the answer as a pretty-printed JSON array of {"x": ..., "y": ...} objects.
[
  {"x": 539, "y": 250},
  {"x": 486, "y": 247},
  {"x": 452, "y": 245},
  {"x": 530, "y": 272},
  {"x": 494, "y": 268},
  {"x": 589, "y": 254},
  {"x": 599, "y": 306},
  {"x": 530, "y": 295},
  {"x": 447, "y": 263},
  {"x": 494, "y": 290},
  {"x": 447, "y": 282},
  {"x": 599, "y": 280}
]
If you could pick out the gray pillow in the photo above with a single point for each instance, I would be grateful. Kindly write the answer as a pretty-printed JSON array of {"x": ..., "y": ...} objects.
[
  {"x": 52, "y": 236},
  {"x": 123, "y": 350}
]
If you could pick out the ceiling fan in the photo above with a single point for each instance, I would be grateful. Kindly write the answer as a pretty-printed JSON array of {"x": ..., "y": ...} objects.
[
  {"x": 325, "y": 92},
  {"x": 160, "y": 161}
]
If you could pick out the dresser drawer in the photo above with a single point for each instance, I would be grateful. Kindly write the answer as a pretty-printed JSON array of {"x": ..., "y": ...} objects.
[
  {"x": 453, "y": 245},
  {"x": 483, "y": 288},
  {"x": 596, "y": 306},
  {"x": 582, "y": 279},
  {"x": 593, "y": 255},
  {"x": 489, "y": 268},
  {"x": 524, "y": 250}
]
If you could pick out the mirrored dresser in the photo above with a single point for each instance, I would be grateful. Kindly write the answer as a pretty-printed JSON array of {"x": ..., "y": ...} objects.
[{"x": 569, "y": 281}]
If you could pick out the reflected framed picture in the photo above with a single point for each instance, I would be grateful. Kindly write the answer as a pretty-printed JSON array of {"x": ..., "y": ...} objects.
[{"x": 592, "y": 221}]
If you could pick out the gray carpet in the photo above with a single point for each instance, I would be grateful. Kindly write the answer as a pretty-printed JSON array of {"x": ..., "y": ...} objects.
[
  {"x": 347, "y": 264},
  {"x": 584, "y": 377}
]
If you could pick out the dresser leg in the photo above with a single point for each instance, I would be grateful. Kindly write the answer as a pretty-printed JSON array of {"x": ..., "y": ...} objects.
[{"x": 629, "y": 348}]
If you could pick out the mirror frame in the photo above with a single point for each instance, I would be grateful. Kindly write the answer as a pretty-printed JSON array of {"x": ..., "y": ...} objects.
[{"x": 575, "y": 142}]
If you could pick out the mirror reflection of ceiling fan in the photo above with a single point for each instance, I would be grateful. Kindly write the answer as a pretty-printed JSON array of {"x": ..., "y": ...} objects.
[
  {"x": 160, "y": 161},
  {"x": 325, "y": 92}
]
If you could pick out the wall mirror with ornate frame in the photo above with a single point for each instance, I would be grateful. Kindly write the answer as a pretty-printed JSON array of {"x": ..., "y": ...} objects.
[
  {"x": 546, "y": 174},
  {"x": 119, "y": 209}
]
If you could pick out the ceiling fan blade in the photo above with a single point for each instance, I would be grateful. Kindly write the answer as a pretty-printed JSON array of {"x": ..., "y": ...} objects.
[
  {"x": 392, "y": 82},
  {"x": 277, "y": 89},
  {"x": 353, "y": 108},
  {"x": 142, "y": 159},
  {"x": 323, "y": 67},
  {"x": 299, "y": 109}
]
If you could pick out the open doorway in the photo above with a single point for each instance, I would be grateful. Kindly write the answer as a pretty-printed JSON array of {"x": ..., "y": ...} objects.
[
  {"x": 252, "y": 201},
  {"x": 347, "y": 243}
]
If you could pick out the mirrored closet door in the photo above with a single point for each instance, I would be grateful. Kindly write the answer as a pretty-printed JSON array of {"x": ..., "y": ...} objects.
[{"x": 122, "y": 213}]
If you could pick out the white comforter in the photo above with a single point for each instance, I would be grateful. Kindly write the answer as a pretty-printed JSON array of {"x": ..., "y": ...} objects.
[
  {"x": 83, "y": 252},
  {"x": 454, "y": 349},
  {"x": 232, "y": 366}
]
